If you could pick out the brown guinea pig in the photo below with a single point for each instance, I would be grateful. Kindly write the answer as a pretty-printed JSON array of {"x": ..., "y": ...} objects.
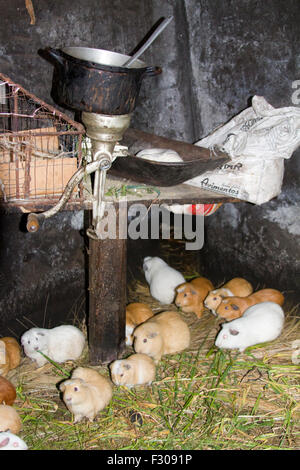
[
  {"x": 10, "y": 354},
  {"x": 9, "y": 419},
  {"x": 86, "y": 393},
  {"x": 190, "y": 295},
  {"x": 234, "y": 307},
  {"x": 237, "y": 286},
  {"x": 7, "y": 392},
  {"x": 136, "y": 313},
  {"x": 164, "y": 333}
]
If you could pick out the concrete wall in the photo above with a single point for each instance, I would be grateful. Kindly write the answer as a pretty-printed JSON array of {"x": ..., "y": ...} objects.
[
  {"x": 239, "y": 49},
  {"x": 215, "y": 55}
]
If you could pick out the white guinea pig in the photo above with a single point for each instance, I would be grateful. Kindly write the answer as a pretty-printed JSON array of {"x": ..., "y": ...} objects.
[
  {"x": 62, "y": 343},
  {"x": 162, "y": 279},
  {"x": 159, "y": 155},
  {"x": 137, "y": 369},
  {"x": 165, "y": 333},
  {"x": 260, "y": 323},
  {"x": 9, "y": 441}
]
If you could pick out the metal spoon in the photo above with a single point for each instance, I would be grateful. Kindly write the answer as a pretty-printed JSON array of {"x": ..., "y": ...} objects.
[{"x": 149, "y": 41}]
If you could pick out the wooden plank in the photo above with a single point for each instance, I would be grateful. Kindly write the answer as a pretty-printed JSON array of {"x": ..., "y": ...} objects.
[
  {"x": 107, "y": 296},
  {"x": 180, "y": 194}
]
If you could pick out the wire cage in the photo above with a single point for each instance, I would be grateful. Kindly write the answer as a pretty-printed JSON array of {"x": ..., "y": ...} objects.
[{"x": 40, "y": 147}]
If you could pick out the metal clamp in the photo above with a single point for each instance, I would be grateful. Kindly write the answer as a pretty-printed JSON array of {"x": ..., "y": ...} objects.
[{"x": 105, "y": 159}]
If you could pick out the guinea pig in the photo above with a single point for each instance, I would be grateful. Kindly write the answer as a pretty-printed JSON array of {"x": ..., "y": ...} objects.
[
  {"x": 9, "y": 419},
  {"x": 235, "y": 287},
  {"x": 86, "y": 393},
  {"x": 162, "y": 279},
  {"x": 190, "y": 295},
  {"x": 7, "y": 392},
  {"x": 260, "y": 323},
  {"x": 62, "y": 343},
  {"x": 9, "y": 441},
  {"x": 234, "y": 307},
  {"x": 137, "y": 369},
  {"x": 10, "y": 354},
  {"x": 164, "y": 333},
  {"x": 136, "y": 313}
]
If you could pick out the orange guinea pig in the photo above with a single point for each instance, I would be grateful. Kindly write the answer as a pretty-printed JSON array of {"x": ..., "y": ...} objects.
[
  {"x": 234, "y": 307},
  {"x": 10, "y": 354},
  {"x": 136, "y": 313},
  {"x": 9, "y": 419},
  {"x": 190, "y": 295},
  {"x": 235, "y": 287},
  {"x": 7, "y": 392}
]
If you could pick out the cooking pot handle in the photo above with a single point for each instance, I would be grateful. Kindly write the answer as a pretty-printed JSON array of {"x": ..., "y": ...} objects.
[
  {"x": 150, "y": 71},
  {"x": 55, "y": 54}
]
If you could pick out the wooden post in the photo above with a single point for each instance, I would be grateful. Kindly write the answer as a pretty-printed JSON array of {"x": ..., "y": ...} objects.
[{"x": 107, "y": 294}]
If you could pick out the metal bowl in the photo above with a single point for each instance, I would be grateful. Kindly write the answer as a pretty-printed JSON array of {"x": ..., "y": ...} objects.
[{"x": 101, "y": 56}]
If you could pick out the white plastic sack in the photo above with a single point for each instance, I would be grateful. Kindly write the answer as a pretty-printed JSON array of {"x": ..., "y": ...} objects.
[{"x": 257, "y": 140}]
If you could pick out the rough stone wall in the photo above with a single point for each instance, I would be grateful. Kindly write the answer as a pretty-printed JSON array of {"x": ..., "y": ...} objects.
[
  {"x": 215, "y": 55},
  {"x": 239, "y": 49}
]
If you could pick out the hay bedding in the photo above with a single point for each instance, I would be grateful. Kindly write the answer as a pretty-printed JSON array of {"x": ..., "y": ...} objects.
[
  {"x": 225, "y": 400},
  {"x": 264, "y": 380}
]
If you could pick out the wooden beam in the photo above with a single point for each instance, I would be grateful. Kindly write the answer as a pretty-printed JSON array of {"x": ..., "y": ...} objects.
[{"x": 107, "y": 295}]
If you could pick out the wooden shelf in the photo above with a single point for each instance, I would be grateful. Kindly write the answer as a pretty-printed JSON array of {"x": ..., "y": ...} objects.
[{"x": 180, "y": 194}]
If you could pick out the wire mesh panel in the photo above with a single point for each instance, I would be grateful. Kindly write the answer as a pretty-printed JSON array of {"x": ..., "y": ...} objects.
[{"x": 40, "y": 147}]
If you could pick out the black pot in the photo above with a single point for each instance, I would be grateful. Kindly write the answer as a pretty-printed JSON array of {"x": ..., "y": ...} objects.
[{"x": 93, "y": 80}]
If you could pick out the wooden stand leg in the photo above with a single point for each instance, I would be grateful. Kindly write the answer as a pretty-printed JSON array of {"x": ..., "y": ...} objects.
[{"x": 107, "y": 296}]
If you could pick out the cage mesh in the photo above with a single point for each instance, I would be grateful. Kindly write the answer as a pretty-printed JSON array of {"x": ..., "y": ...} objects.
[{"x": 40, "y": 147}]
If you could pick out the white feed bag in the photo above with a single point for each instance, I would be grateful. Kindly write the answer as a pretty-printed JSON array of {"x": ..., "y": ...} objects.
[{"x": 257, "y": 140}]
